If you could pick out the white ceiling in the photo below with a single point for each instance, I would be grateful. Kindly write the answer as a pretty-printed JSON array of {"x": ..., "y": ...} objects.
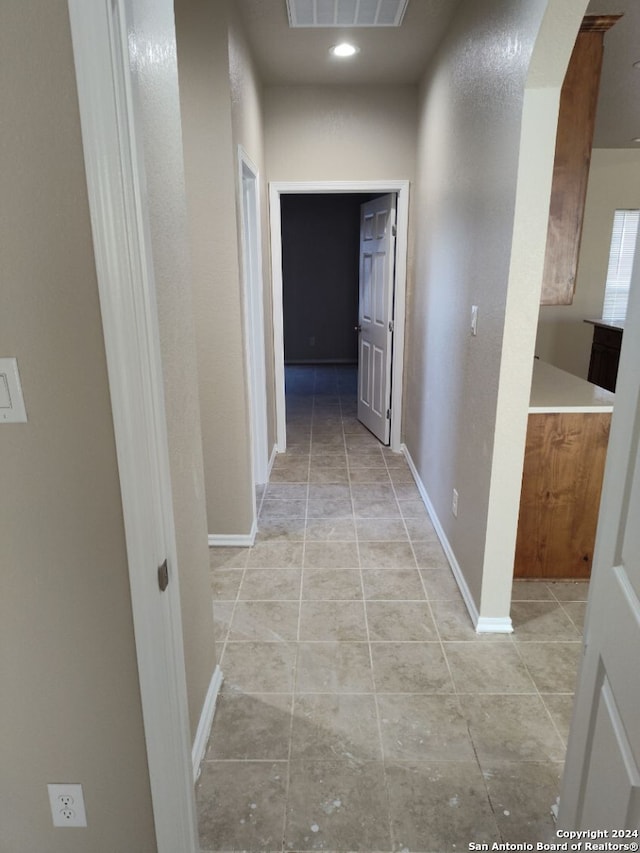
[
  {"x": 300, "y": 56},
  {"x": 618, "y": 117},
  {"x": 387, "y": 54}
]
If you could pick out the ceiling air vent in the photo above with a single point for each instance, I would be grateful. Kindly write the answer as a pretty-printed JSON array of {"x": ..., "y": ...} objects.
[{"x": 346, "y": 13}]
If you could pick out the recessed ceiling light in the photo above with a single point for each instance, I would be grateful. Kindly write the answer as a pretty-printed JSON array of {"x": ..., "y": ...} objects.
[{"x": 344, "y": 49}]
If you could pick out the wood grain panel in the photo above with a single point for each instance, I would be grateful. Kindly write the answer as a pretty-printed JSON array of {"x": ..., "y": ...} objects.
[
  {"x": 560, "y": 498},
  {"x": 576, "y": 120}
]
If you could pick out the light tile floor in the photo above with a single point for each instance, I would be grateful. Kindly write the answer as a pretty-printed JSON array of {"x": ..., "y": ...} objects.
[{"x": 360, "y": 711}]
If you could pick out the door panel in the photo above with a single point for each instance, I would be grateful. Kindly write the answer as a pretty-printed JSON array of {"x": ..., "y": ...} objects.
[
  {"x": 377, "y": 268},
  {"x": 377, "y": 383},
  {"x": 364, "y": 373},
  {"x": 378, "y": 290},
  {"x": 611, "y": 767},
  {"x": 365, "y": 292},
  {"x": 601, "y": 786}
]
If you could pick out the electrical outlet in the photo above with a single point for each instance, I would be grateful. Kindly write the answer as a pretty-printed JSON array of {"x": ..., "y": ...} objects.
[
  {"x": 454, "y": 503},
  {"x": 67, "y": 805}
]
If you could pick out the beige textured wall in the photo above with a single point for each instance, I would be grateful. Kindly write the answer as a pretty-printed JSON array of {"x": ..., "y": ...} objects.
[
  {"x": 210, "y": 172},
  {"x": 468, "y": 150},
  {"x": 70, "y": 708},
  {"x": 247, "y": 122},
  {"x": 159, "y": 103},
  {"x": 535, "y": 170},
  {"x": 614, "y": 182},
  {"x": 334, "y": 133}
]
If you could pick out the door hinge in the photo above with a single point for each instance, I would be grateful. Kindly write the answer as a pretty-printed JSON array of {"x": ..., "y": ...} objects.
[
  {"x": 394, "y": 230},
  {"x": 388, "y": 414},
  {"x": 391, "y": 325}
]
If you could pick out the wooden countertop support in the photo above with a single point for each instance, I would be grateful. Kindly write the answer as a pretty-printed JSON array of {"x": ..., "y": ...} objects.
[
  {"x": 567, "y": 437},
  {"x": 560, "y": 499}
]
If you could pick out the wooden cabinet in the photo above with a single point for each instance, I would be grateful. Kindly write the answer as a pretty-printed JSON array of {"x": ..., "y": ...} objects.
[
  {"x": 561, "y": 484},
  {"x": 576, "y": 120},
  {"x": 605, "y": 356}
]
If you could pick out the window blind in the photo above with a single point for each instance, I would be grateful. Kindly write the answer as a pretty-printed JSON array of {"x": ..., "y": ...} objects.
[{"x": 621, "y": 254}]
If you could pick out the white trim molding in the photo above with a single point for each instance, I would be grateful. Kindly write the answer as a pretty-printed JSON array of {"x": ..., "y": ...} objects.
[
  {"x": 253, "y": 293},
  {"x": 482, "y": 624},
  {"x": 494, "y": 625},
  {"x": 107, "y": 85},
  {"x": 234, "y": 540},
  {"x": 401, "y": 188},
  {"x": 206, "y": 721},
  {"x": 272, "y": 459}
]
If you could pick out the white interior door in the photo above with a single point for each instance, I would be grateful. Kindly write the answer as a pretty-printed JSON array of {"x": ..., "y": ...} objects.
[
  {"x": 254, "y": 314},
  {"x": 601, "y": 787},
  {"x": 375, "y": 314}
]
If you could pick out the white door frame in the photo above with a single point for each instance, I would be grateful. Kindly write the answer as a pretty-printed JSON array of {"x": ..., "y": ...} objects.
[
  {"x": 115, "y": 182},
  {"x": 276, "y": 190},
  {"x": 253, "y": 289}
]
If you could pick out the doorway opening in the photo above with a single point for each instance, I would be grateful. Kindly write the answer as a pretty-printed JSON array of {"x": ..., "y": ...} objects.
[
  {"x": 397, "y": 305},
  {"x": 320, "y": 270},
  {"x": 338, "y": 271}
]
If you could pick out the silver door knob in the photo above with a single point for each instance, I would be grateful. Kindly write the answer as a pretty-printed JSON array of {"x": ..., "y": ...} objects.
[{"x": 357, "y": 328}]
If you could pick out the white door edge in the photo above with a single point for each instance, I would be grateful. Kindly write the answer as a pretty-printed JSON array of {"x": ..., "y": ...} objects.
[
  {"x": 115, "y": 183},
  {"x": 253, "y": 312},
  {"x": 606, "y": 648},
  {"x": 401, "y": 188},
  {"x": 375, "y": 332}
]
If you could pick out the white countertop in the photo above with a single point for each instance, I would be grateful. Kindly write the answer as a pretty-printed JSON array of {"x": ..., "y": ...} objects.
[
  {"x": 555, "y": 390},
  {"x": 608, "y": 324}
]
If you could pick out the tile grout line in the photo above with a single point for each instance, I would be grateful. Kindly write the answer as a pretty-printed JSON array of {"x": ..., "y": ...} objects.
[
  {"x": 233, "y": 612},
  {"x": 487, "y": 643},
  {"x": 389, "y": 693},
  {"x": 456, "y": 692},
  {"x": 428, "y": 598},
  {"x": 568, "y": 615},
  {"x": 373, "y": 678},
  {"x": 540, "y": 696},
  {"x": 372, "y": 600},
  {"x": 297, "y": 649}
]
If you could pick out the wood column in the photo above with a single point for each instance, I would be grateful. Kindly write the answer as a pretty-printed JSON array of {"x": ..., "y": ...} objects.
[{"x": 576, "y": 121}]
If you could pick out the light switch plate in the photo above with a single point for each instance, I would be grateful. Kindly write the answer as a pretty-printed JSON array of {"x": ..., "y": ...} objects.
[
  {"x": 474, "y": 319},
  {"x": 12, "y": 410}
]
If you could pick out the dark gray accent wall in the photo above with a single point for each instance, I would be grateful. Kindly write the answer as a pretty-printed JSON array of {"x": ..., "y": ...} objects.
[{"x": 320, "y": 248}]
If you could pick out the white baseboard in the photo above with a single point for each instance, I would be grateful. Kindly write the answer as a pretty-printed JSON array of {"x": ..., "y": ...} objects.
[
  {"x": 494, "y": 625},
  {"x": 206, "y": 721},
  {"x": 272, "y": 459},
  {"x": 483, "y": 625},
  {"x": 234, "y": 540}
]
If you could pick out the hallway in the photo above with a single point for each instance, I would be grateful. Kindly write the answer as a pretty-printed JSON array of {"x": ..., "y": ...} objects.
[{"x": 360, "y": 710}]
